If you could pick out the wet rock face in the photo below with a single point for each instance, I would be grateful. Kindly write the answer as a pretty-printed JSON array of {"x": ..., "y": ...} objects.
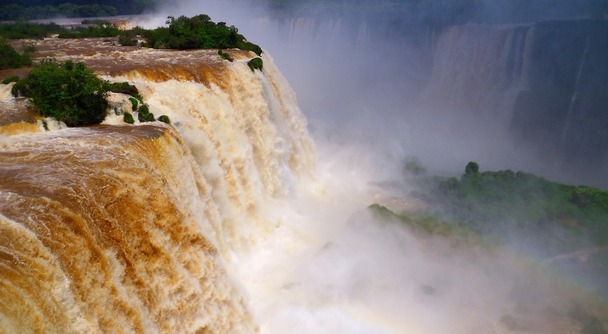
[
  {"x": 546, "y": 81},
  {"x": 563, "y": 89}
]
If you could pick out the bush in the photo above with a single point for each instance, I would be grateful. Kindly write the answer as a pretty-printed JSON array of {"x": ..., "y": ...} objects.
[
  {"x": 144, "y": 114},
  {"x": 134, "y": 103},
  {"x": 23, "y": 29},
  {"x": 197, "y": 32},
  {"x": 10, "y": 58},
  {"x": 255, "y": 64},
  {"x": 10, "y": 79},
  {"x": 99, "y": 30},
  {"x": 19, "y": 89},
  {"x": 164, "y": 119},
  {"x": 127, "y": 40},
  {"x": 471, "y": 168},
  {"x": 128, "y": 118},
  {"x": 123, "y": 88},
  {"x": 71, "y": 93},
  {"x": 225, "y": 55}
]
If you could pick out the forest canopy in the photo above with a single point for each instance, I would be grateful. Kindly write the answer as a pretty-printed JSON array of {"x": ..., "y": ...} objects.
[
  {"x": 11, "y": 10},
  {"x": 426, "y": 12}
]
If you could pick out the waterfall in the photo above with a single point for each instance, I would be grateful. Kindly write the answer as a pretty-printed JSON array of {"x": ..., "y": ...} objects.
[
  {"x": 539, "y": 87},
  {"x": 129, "y": 228},
  {"x": 101, "y": 232},
  {"x": 225, "y": 222},
  {"x": 472, "y": 67}
]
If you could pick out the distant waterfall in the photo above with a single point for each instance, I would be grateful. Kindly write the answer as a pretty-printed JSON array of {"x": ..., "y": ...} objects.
[{"x": 542, "y": 84}]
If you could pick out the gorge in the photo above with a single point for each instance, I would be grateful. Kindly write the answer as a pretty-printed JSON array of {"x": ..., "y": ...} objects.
[{"x": 231, "y": 220}]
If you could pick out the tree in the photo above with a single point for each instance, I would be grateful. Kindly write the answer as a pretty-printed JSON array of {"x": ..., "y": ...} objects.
[
  {"x": 69, "y": 92},
  {"x": 472, "y": 168},
  {"x": 198, "y": 32},
  {"x": 10, "y": 58}
]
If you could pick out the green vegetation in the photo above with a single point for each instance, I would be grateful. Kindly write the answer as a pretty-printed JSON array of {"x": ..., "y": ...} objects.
[
  {"x": 225, "y": 55},
  {"x": 481, "y": 199},
  {"x": 565, "y": 226},
  {"x": 127, "y": 117},
  {"x": 255, "y": 64},
  {"x": 144, "y": 114},
  {"x": 99, "y": 29},
  {"x": 126, "y": 40},
  {"x": 16, "y": 12},
  {"x": 69, "y": 92},
  {"x": 10, "y": 80},
  {"x": 198, "y": 32},
  {"x": 183, "y": 33},
  {"x": 39, "y": 9},
  {"x": 22, "y": 29},
  {"x": 10, "y": 58},
  {"x": 164, "y": 119},
  {"x": 123, "y": 88},
  {"x": 427, "y": 223},
  {"x": 134, "y": 103}
]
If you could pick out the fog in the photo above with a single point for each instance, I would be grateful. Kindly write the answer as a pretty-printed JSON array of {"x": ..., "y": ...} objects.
[
  {"x": 367, "y": 75},
  {"x": 331, "y": 266}
]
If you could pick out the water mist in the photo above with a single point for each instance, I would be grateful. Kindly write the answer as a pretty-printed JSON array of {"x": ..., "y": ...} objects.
[{"x": 292, "y": 244}]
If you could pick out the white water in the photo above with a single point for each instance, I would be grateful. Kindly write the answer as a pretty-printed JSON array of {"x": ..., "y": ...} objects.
[{"x": 300, "y": 250}]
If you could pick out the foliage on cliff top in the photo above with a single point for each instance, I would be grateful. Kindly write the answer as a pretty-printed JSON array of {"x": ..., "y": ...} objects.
[
  {"x": 69, "y": 92},
  {"x": 197, "y": 32},
  {"x": 256, "y": 64},
  {"x": 10, "y": 58},
  {"x": 39, "y": 9},
  {"x": 563, "y": 225},
  {"x": 22, "y": 29},
  {"x": 96, "y": 29},
  {"x": 498, "y": 200},
  {"x": 504, "y": 193}
]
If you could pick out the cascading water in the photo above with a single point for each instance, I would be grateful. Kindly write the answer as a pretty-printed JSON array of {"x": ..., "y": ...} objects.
[
  {"x": 102, "y": 232},
  {"x": 126, "y": 228},
  {"x": 538, "y": 87},
  {"x": 221, "y": 223}
]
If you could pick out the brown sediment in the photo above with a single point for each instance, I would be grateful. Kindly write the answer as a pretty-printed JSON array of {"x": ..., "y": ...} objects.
[
  {"x": 105, "y": 56},
  {"x": 18, "y": 128},
  {"x": 100, "y": 203},
  {"x": 16, "y": 111}
]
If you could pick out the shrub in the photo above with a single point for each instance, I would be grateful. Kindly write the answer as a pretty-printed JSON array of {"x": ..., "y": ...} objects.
[
  {"x": 10, "y": 79},
  {"x": 197, "y": 32},
  {"x": 10, "y": 58},
  {"x": 21, "y": 29},
  {"x": 134, "y": 103},
  {"x": 127, "y": 40},
  {"x": 122, "y": 87},
  {"x": 99, "y": 30},
  {"x": 225, "y": 55},
  {"x": 144, "y": 114},
  {"x": 471, "y": 168},
  {"x": 128, "y": 118},
  {"x": 19, "y": 89},
  {"x": 71, "y": 93},
  {"x": 164, "y": 119},
  {"x": 255, "y": 64}
]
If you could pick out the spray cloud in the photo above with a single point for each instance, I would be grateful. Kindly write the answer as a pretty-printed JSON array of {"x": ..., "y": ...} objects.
[{"x": 329, "y": 266}]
